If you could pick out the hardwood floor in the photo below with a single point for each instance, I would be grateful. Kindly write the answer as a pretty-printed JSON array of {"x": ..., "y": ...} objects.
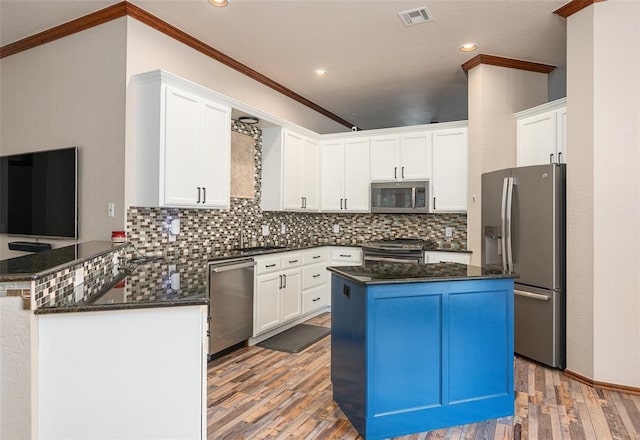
[{"x": 256, "y": 393}]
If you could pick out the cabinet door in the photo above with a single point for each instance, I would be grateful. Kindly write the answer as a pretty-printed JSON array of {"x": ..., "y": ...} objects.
[
  {"x": 536, "y": 139},
  {"x": 267, "y": 297},
  {"x": 310, "y": 174},
  {"x": 332, "y": 176},
  {"x": 215, "y": 159},
  {"x": 415, "y": 156},
  {"x": 449, "y": 184},
  {"x": 182, "y": 148},
  {"x": 356, "y": 175},
  {"x": 292, "y": 176},
  {"x": 290, "y": 295},
  {"x": 384, "y": 158}
]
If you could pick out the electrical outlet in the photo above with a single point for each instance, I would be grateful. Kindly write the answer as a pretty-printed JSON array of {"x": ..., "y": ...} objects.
[
  {"x": 79, "y": 277},
  {"x": 111, "y": 210},
  {"x": 448, "y": 232},
  {"x": 283, "y": 228},
  {"x": 265, "y": 230},
  {"x": 336, "y": 229}
]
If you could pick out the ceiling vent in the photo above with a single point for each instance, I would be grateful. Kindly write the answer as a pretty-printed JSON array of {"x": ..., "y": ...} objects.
[{"x": 415, "y": 16}]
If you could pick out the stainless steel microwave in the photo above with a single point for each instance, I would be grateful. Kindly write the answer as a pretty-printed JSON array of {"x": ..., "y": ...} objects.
[{"x": 409, "y": 197}]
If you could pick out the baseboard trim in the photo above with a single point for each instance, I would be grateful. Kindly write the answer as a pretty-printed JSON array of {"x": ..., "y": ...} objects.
[{"x": 604, "y": 385}]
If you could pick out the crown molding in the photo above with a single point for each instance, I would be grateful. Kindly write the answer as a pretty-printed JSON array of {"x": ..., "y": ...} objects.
[
  {"x": 574, "y": 6},
  {"x": 494, "y": 60},
  {"x": 127, "y": 9}
]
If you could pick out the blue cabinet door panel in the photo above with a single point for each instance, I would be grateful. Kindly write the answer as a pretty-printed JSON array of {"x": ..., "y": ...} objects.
[{"x": 405, "y": 358}]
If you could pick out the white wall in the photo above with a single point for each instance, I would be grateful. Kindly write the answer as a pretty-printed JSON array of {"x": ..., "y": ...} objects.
[
  {"x": 72, "y": 92},
  {"x": 495, "y": 94},
  {"x": 606, "y": 208}
]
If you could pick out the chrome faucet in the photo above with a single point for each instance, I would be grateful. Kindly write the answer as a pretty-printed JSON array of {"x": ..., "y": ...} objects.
[{"x": 242, "y": 240}]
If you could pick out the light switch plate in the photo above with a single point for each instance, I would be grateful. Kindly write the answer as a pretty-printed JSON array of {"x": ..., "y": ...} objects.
[
  {"x": 336, "y": 229},
  {"x": 448, "y": 232}
]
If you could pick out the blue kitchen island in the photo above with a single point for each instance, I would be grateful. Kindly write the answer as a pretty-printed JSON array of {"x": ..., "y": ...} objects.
[{"x": 417, "y": 347}]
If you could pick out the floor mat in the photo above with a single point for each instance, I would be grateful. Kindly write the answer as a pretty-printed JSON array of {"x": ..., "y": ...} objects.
[{"x": 296, "y": 338}]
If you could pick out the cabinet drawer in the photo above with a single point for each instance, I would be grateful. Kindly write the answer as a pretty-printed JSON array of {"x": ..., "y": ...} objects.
[
  {"x": 447, "y": 257},
  {"x": 266, "y": 265},
  {"x": 313, "y": 256},
  {"x": 291, "y": 260},
  {"x": 346, "y": 255},
  {"x": 315, "y": 299},
  {"x": 314, "y": 276}
]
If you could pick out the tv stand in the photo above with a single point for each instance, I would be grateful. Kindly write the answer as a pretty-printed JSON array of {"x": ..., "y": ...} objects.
[{"x": 29, "y": 246}]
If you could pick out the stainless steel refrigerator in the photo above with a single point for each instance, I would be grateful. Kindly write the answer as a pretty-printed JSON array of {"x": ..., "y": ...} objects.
[{"x": 523, "y": 232}]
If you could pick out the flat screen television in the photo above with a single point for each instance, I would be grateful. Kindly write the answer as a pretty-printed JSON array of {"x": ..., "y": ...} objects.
[{"x": 38, "y": 194}]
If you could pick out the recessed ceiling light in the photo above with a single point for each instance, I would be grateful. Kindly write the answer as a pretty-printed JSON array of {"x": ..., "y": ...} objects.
[
  {"x": 249, "y": 119},
  {"x": 320, "y": 73},
  {"x": 468, "y": 47},
  {"x": 219, "y": 3}
]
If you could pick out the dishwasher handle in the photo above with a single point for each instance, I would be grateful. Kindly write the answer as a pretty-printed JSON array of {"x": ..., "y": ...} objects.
[{"x": 232, "y": 265}]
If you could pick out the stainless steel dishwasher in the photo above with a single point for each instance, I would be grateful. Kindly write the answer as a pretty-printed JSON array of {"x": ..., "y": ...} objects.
[{"x": 230, "y": 303}]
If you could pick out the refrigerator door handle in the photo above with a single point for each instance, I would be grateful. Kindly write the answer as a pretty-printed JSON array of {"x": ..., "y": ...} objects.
[
  {"x": 532, "y": 295},
  {"x": 509, "y": 244},
  {"x": 503, "y": 218}
]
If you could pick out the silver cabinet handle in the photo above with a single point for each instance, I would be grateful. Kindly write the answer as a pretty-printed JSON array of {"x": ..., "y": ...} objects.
[
  {"x": 293, "y": 261},
  {"x": 284, "y": 286},
  {"x": 560, "y": 157},
  {"x": 345, "y": 203},
  {"x": 204, "y": 194},
  {"x": 402, "y": 172},
  {"x": 434, "y": 203},
  {"x": 341, "y": 203},
  {"x": 316, "y": 275},
  {"x": 532, "y": 295},
  {"x": 305, "y": 202},
  {"x": 280, "y": 286},
  {"x": 395, "y": 172},
  {"x": 270, "y": 265},
  {"x": 301, "y": 202},
  {"x": 551, "y": 158},
  {"x": 347, "y": 256},
  {"x": 316, "y": 299},
  {"x": 315, "y": 257},
  {"x": 198, "y": 195}
]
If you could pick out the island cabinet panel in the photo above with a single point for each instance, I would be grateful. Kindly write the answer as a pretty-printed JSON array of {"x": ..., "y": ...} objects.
[{"x": 413, "y": 357}]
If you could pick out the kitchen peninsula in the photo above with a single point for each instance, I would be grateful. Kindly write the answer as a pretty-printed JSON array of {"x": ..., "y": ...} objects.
[{"x": 417, "y": 347}]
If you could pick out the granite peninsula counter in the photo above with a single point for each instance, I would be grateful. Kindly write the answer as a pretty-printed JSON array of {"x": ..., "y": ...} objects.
[{"x": 421, "y": 347}]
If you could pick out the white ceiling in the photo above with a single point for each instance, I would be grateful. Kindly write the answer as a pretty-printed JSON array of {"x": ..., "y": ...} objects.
[{"x": 381, "y": 73}]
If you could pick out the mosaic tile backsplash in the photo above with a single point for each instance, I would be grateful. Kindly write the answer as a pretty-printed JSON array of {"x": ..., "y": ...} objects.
[{"x": 205, "y": 232}]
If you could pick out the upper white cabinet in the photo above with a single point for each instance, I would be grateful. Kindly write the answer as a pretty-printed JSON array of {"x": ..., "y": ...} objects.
[
  {"x": 290, "y": 171},
  {"x": 183, "y": 144},
  {"x": 449, "y": 180},
  {"x": 401, "y": 157},
  {"x": 541, "y": 137},
  {"x": 344, "y": 175}
]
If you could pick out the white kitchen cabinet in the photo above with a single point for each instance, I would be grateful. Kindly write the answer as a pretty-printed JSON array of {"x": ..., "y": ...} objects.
[
  {"x": 344, "y": 175},
  {"x": 290, "y": 171},
  {"x": 401, "y": 157},
  {"x": 447, "y": 257},
  {"x": 277, "y": 294},
  {"x": 346, "y": 256},
  {"x": 183, "y": 144},
  {"x": 541, "y": 134},
  {"x": 449, "y": 176},
  {"x": 315, "y": 279}
]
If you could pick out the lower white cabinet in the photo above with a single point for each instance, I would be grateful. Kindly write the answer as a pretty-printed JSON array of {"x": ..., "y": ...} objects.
[
  {"x": 277, "y": 290},
  {"x": 447, "y": 257}
]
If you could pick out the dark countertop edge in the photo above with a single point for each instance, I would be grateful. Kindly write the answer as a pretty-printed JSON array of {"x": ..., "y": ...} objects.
[
  {"x": 337, "y": 271},
  {"x": 126, "y": 306},
  {"x": 34, "y": 276},
  {"x": 247, "y": 254}
]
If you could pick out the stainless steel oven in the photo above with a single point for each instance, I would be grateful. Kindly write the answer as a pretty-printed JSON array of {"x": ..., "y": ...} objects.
[{"x": 403, "y": 250}]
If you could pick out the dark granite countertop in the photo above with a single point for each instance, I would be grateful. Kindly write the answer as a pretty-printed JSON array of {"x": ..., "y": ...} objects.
[
  {"x": 31, "y": 267},
  {"x": 146, "y": 284},
  {"x": 393, "y": 273}
]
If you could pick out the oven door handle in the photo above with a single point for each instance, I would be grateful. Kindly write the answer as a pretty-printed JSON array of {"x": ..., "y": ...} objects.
[{"x": 392, "y": 260}]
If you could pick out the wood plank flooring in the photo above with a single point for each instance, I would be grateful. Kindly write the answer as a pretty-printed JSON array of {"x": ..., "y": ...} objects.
[{"x": 255, "y": 393}]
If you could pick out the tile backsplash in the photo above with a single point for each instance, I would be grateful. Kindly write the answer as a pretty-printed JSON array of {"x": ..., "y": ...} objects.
[{"x": 207, "y": 231}]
